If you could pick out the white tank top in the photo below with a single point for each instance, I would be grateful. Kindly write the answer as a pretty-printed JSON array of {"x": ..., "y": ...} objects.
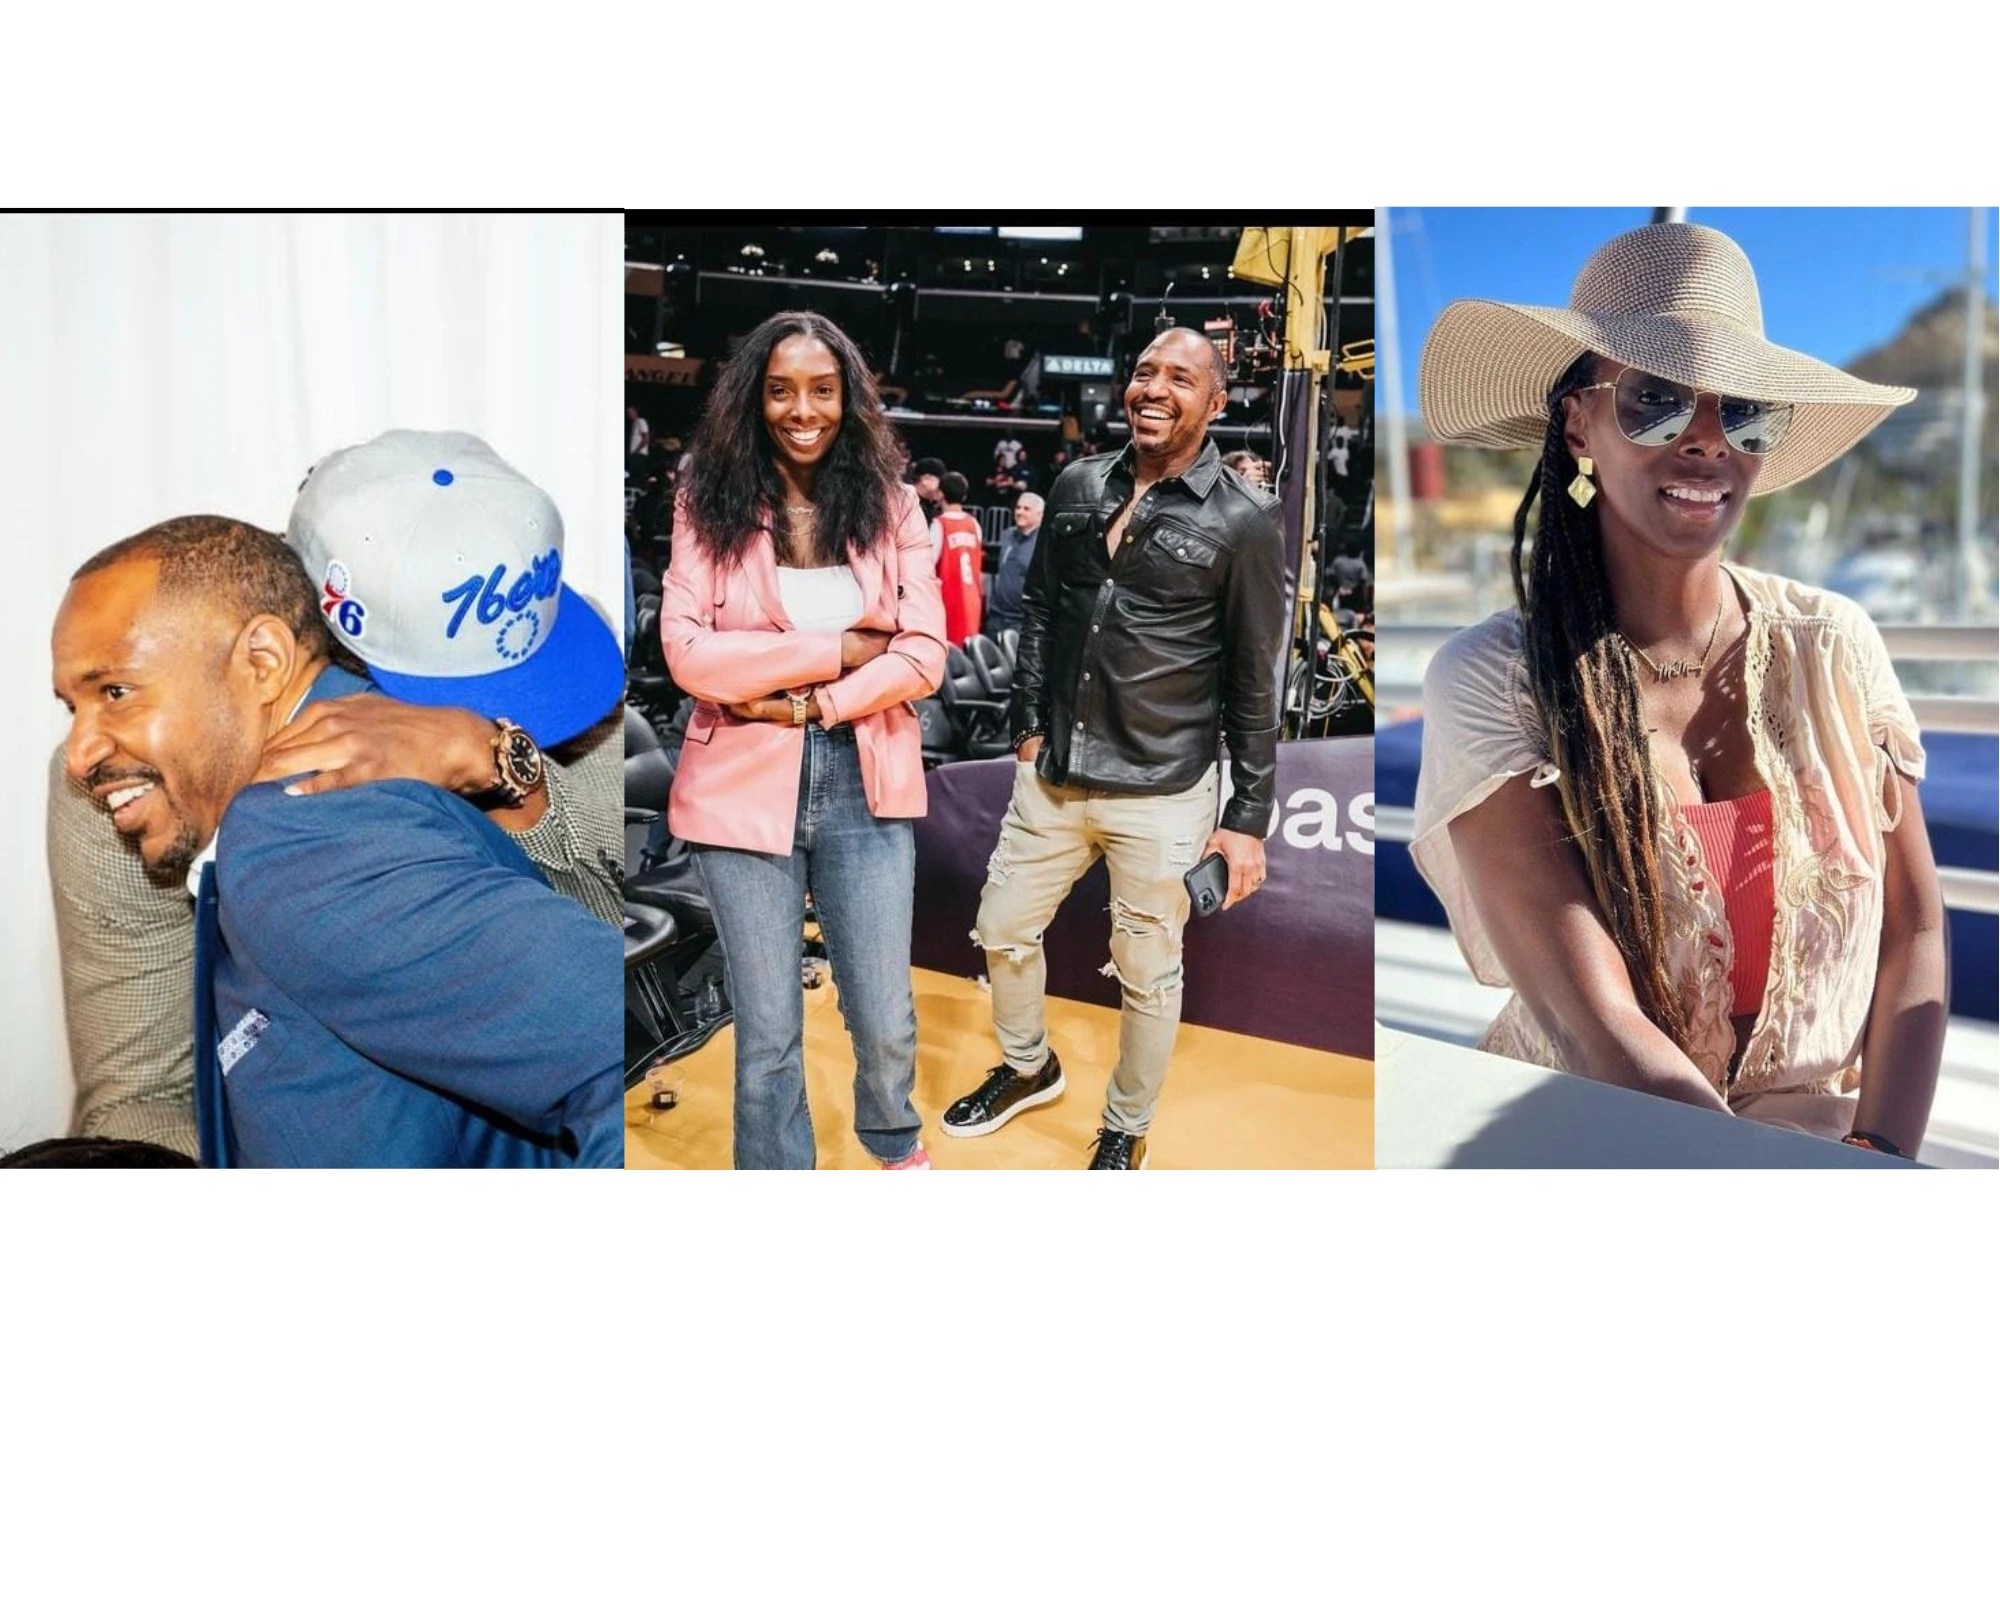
[{"x": 820, "y": 599}]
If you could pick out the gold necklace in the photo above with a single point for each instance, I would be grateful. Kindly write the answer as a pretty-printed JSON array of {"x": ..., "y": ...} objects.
[
  {"x": 790, "y": 554},
  {"x": 1679, "y": 669}
]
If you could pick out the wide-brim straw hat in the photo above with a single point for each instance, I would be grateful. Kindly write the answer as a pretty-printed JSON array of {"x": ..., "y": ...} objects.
[{"x": 1673, "y": 298}]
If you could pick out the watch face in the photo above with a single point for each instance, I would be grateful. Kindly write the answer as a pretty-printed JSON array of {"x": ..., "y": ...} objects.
[{"x": 524, "y": 761}]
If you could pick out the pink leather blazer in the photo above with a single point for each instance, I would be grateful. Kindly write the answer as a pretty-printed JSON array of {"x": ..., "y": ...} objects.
[{"x": 728, "y": 640}]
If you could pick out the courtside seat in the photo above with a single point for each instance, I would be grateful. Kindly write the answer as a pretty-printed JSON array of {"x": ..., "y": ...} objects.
[
  {"x": 979, "y": 720},
  {"x": 940, "y": 737},
  {"x": 996, "y": 672},
  {"x": 646, "y": 676}
]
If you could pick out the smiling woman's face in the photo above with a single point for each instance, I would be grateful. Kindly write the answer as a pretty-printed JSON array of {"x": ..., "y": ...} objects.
[
  {"x": 1682, "y": 499},
  {"x": 802, "y": 401}
]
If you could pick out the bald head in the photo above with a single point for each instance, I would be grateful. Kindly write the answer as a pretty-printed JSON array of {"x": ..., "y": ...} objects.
[{"x": 1189, "y": 345}]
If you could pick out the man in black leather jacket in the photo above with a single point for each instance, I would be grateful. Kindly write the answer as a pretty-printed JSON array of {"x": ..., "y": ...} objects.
[{"x": 1154, "y": 622}]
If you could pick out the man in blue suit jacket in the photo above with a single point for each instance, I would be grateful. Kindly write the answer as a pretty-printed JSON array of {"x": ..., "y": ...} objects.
[{"x": 382, "y": 976}]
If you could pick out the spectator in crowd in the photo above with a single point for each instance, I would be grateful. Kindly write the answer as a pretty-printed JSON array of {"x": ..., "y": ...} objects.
[
  {"x": 1352, "y": 587},
  {"x": 928, "y": 477},
  {"x": 1011, "y": 476},
  {"x": 961, "y": 561},
  {"x": 1010, "y": 575},
  {"x": 638, "y": 432},
  {"x": 929, "y": 482},
  {"x": 1341, "y": 439},
  {"x": 1252, "y": 468}
]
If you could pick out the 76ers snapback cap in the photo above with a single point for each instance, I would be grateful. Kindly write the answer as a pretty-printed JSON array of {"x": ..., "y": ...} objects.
[{"x": 440, "y": 566}]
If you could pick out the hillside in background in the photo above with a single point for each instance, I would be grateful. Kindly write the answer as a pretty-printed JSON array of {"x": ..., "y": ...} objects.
[{"x": 1928, "y": 352}]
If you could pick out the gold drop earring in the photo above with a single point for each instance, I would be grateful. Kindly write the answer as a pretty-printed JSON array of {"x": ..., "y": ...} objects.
[{"x": 1581, "y": 489}]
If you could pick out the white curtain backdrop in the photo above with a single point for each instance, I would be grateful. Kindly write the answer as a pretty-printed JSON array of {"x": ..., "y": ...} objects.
[{"x": 153, "y": 366}]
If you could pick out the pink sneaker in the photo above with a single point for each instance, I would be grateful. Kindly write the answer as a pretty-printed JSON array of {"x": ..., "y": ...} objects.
[{"x": 918, "y": 1160}]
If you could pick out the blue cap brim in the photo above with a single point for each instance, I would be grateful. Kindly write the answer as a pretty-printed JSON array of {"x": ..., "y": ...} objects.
[{"x": 568, "y": 685}]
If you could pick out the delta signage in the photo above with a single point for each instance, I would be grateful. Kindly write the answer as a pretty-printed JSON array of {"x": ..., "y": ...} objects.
[{"x": 1076, "y": 366}]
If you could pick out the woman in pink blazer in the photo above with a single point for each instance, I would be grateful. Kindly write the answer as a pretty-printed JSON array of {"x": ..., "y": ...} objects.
[{"x": 802, "y": 612}]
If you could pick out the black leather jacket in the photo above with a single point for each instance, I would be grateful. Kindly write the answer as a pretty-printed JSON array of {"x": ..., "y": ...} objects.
[{"x": 1133, "y": 666}]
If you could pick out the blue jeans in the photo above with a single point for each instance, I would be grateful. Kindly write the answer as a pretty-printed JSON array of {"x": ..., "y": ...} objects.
[{"x": 862, "y": 873}]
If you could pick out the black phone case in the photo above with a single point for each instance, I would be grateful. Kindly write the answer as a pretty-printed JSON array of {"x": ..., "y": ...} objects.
[{"x": 1207, "y": 885}]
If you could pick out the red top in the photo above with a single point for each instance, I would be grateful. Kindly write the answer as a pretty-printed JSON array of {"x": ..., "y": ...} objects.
[
  {"x": 1735, "y": 840},
  {"x": 959, "y": 561}
]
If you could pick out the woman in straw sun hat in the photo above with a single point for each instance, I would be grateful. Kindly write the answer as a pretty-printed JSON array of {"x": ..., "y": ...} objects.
[{"x": 1668, "y": 800}]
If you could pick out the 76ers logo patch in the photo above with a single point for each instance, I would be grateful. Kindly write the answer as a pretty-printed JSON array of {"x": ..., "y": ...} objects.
[
  {"x": 345, "y": 612},
  {"x": 495, "y": 598}
]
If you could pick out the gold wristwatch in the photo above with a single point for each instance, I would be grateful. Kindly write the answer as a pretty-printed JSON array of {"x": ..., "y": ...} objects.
[
  {"x": 801, "y": 704},
  {"x": 517, "y": 763}
]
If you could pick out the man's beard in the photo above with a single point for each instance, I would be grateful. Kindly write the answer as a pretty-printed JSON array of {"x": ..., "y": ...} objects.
[
  {"x": 208, "y": 774},
  {"x": 172, "y": 866}
]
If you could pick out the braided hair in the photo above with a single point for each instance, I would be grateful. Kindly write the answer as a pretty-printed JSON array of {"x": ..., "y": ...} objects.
[{"x": 1586, "y": 688}]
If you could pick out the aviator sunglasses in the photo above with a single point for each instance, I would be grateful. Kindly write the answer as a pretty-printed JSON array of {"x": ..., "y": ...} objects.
[{"x": 1655, "y": 411}]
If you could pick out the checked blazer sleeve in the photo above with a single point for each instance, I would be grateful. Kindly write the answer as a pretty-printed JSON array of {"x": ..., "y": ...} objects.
[{"x": 127, "y": 973}]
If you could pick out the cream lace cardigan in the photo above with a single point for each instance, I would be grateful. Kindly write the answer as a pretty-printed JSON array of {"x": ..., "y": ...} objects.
[{"x": 1829, "y": 721}]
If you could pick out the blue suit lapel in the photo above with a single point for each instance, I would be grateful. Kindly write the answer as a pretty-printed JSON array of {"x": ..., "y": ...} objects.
[
  {"x": 211, "y": 1105},
  {"x": 211, "y": 1112}
]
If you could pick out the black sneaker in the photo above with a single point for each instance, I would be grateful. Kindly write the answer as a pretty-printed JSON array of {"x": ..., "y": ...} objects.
[
  {"x": 1003, "y": 1096},
  {"x": 1119, "y": 1152}
]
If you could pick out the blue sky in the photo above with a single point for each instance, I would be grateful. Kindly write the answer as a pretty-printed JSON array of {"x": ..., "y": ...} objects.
[{"x": 1834, "y": 281}]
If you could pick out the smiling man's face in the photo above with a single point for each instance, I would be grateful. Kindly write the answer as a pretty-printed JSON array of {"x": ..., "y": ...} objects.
[
  {"x": 1175, "y": 393},
  {"x": 159, "y": 734}
]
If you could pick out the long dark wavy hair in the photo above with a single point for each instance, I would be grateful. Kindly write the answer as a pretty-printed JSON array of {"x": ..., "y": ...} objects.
[
  {"x": 733, "y": 487},
  {"x": 1586, "y": 687}
]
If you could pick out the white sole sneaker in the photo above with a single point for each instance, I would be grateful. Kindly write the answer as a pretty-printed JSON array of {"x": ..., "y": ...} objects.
[{"x": 1027, "y": 1103}]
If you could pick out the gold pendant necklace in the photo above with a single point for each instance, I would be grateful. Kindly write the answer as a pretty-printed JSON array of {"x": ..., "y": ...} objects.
[{"x": 1667, "y": 672}]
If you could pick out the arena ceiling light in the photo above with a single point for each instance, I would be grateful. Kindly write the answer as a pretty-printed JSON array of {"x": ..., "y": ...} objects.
[{"x": 1040, "y": 233}]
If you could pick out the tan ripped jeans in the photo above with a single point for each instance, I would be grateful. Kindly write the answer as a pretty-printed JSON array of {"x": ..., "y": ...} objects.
[{"x": 1050, "y": 837}]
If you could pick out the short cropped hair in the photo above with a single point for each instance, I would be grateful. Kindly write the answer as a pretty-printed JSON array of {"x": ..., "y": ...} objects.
[
  {"x": 253, "y": 573},
  {"x": 90, "y": 1152},
  {"x": 954, "y": 486}
]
